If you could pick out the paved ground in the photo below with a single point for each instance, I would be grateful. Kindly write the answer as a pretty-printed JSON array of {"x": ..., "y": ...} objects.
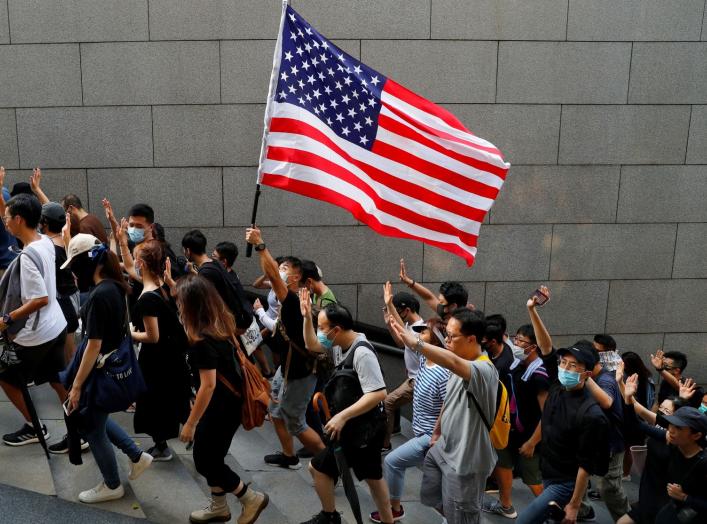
[{"x": 35, "y": 489}]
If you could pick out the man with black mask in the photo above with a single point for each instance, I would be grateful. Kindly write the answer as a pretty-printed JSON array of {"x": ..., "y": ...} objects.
[{"x": 452, "y": 295}]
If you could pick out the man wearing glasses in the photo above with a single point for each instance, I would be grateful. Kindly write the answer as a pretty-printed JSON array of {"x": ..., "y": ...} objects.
[{"x": 671, "y": 366}]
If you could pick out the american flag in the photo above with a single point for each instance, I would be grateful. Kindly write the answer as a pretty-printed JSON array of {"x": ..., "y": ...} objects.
[{"x": 340, "y": 132}]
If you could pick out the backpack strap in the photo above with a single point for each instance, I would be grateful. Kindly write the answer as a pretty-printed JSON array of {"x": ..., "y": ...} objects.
[
  {"x": 223, "y": 380},
  {"x": 348, "y": 362},
  {"x": 471, "y": 397},
  {"x": 38, "y": 264}
]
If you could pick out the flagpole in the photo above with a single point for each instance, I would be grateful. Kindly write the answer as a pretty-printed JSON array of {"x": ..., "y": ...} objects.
[{"x": 268, "y": 116}]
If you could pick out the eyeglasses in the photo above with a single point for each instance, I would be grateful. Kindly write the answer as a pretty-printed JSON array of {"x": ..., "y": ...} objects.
[
  {"x": 6, "y": 219},
  {"x": 521, "y": 342},
  {"x": 451, "y": 337}
]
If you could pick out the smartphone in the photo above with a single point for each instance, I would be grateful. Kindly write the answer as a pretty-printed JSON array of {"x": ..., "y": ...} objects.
[
  {"x": 555, "y": 511},
  {"x": 65, "y": 405},
  {"x": 541, "y": 298}
]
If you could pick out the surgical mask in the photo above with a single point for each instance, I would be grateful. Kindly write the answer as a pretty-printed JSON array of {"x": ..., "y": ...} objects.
[
  {"x": 283, "y": 276},
  {"x": 568, "y": 379},
  {"x": 136, "y": 234},
  {"x": 442, "y": 310},
  {"x": 324, "y": 340},
  {"x": 518, "y": 352},
  {"x": 703, "y": 408}
]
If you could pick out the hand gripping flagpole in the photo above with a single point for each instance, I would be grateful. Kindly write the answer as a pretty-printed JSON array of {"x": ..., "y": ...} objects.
[{"x": 268, "y": 116}]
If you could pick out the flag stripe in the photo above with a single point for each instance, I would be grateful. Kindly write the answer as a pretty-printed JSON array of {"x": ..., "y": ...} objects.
[
  {"x": 391, "y": 122},
  {"x": 466, "y": 204},
  {"x": 481, "y": 151},
  {"x": 305, "y": 158},
  {"x": 353, "y": 207}
]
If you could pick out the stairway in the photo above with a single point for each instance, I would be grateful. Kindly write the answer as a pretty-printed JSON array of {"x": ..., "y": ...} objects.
[{"x": 168, "y": 491}]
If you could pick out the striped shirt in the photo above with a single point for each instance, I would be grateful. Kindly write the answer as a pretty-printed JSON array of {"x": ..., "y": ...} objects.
[{"x": 428, "y": 397}]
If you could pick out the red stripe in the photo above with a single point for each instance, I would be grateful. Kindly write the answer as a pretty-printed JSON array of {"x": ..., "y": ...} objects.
[
  {"x": 353, "y": 207},
  {"x": 290, "y": 125},
  {"x": 305, "y": 158},
  {"x": 433, "y": 170},
  {"x": 446, "y": 136},
  {"x": 423, "y": 104},
  {"x": 401, "y": 129}
]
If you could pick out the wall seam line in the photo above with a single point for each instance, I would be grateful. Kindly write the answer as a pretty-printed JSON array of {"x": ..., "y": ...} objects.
[
  {"x": 567, "y": 21},
  {"x": 220, "y": 79},
  {"x": 552, "y": 243},
  {"x": 606, "y": 311},
  {"x": 618, "y": 195},
  {"x": 702, "y": 29},
  {"x": 559, "y": 136},
  {"x": 152, "y": 130},
  {"x": 675, "y": 250},
  {"x": 687, "y": 141},
  {"x": 630, "y": 64},
  {"x": 149, "y": 35},
  {"x": 81, "y": 75},
  {"x": 17, "y": 141}
]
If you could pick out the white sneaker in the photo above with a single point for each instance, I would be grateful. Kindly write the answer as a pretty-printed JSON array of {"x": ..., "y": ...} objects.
[
  {"x": 139, "y": 467},
  {"x": 101, "y": 493}
]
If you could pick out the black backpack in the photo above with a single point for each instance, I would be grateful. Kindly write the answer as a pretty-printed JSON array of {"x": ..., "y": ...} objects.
[
  {"x": 235, "y": 298},
  {"x": 343, "y": 390}
]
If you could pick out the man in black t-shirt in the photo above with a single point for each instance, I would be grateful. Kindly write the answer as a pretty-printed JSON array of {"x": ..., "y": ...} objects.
[
  {"x": 298, "y": 382},
  {"x": 230, "y": 289}
]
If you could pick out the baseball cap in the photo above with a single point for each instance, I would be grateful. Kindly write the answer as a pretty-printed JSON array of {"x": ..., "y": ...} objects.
[
  {"x": 402, "y": 300},
  {"x": 54, "y": 211},
  {"x": 688, "y": 417},
  {"x": 21, "y": 188},
  {"x": 583, "y": 351},
  {"x": 81, "y": 243}
]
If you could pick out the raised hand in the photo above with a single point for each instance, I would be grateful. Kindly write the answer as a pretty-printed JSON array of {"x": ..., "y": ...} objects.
[
  {"x": 35, "y": 180},
  {"x": 253, "y": 236},
  {"x": 619, "y": 373},
  {"x": 168, "y": 273},
  {"x": 66, "y": 231},
  {"x": 404, "y": 277},
  {"x": 2, "y": 176},
  {"x": 657, "y": 360},
  {"x": 110, "y": 216},
  {"x": 687, "y": 388},
  {"x": 257, "y": 304},
  {"x": 122, "y": 230},
  {"x": 388, "y": 293},
  {"x": 408, "y": 338},
  {"x": 305, "y": 303},
  {"x": 533, "y": 300},
  {"x": 631, "y": 386}
]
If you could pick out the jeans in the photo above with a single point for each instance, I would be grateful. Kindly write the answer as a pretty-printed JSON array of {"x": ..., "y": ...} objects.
[
  {"x": 409, "y": 455},
  {"x": 536, "y": 512},
  {"x": 105, "y": 433}
]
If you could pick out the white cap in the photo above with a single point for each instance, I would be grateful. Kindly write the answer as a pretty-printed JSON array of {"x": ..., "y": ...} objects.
[{"x": 81, "y": 243}]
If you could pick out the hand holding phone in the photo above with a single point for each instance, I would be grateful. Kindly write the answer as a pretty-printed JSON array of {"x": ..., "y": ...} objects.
[
  {"x": 540, "y": 297},
  {"x": 67, "y": 407}
]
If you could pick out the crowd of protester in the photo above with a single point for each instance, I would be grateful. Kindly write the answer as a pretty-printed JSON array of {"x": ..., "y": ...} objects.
[{"x": 573, "y": 423}]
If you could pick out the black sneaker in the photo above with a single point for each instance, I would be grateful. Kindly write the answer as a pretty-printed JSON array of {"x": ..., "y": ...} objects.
[
  {"x": 386, "y": 449},
  {"x": 160, "y": 455},
  {"x": 282, "y": 460},
  {"x": 25, "y": 435},
  {"x": 62, "y": 446},
  {"x": 589, "y": 517},
  {"x": 594, "y": 495},
  {"x": 325, "y": 518},
  {"x": 304, "y": 453}
]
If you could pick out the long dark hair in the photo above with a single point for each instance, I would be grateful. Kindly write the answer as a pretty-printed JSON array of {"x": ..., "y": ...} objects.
[
  {"x": 110, "y": 268},
  {"x": 633, "y": 364},
  {"x": 203, "y": 312}
]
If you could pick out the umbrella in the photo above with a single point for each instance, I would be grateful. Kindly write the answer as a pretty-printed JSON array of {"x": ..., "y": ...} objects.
[{"x": 320, "y": 403}]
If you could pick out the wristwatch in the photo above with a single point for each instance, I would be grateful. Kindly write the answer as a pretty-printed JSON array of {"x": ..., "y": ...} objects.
[
  {"x": 259, "y": 247},
  {"x": 7, "y": 319}
]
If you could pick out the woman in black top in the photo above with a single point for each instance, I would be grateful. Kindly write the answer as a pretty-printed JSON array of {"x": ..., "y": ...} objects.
[
  {"x": 675, "y": 472},
  {"x": 165, "y": 404},
  {"x": 103, "y": 318},
  {"x": 216, "y": 414}
]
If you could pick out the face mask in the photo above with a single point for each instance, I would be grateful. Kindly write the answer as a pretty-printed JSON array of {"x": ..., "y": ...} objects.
[
  {"x": 283, "y": 276},
  {"x": 137, "y": 235},
  {"x": 442, "y": 310},
  {"x": 518, "y": 352},
  {"x": 568, "y": 379},
  {"x": 703, "y": 408},
  {"x": 324, "y": 340}
]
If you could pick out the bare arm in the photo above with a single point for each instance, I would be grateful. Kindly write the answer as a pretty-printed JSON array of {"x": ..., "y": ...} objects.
[
  {"x": 390, "y": 312},
  {"x": 580, "y": 487},
  {"x": 421, "y": 291},
  {"x": 88, "y": 360},
  {"x": 35, "y": 183},
  {"x": 630, "y": 389},
  {"x": 442, "y": 357},
  {"x": 207, "y": 385},
  {"x": 541, "y": 333},
  {"x": 128, "y": 262},
  {"x": 151, "y": 334},
  {"x": 366, "y": 403},
  {"x": 268, "y": 264},
  {"x": 602, "y": 398},
  {"x": 27, "y": 309},
  {"x": 311, "y": 342},
  {"x": 261, "y": 282}
]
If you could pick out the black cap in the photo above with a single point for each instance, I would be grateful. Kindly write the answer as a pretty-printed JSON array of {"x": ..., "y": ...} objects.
[
  {"x": 21, "y": 188},
  {"x": 583, "y": 351},
  {"x": 54, "y": 211},
  {"x": 689, "y": 417},
  {"x": 402, "y": 300}
]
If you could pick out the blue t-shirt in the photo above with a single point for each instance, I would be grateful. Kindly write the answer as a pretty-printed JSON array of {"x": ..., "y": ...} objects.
[
  {"x": 7, "y": 241},
  {"x": 607, "y": 382}
]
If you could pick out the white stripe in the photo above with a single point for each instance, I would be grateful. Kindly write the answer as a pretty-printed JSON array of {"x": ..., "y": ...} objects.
[
  {"x": 324, "y": 180},
  {"x": 437, "y": 123},
  {"x": 430, "y": 155},
  {"x": 304, "y": 143},
  {"x": 451, "y": 145},
  {"x": 396, "y": 169}
]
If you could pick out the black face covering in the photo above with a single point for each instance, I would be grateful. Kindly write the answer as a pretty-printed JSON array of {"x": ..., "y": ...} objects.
[
  {"x": 84, "y": 269},
  {"x": 442, "y": 310}
]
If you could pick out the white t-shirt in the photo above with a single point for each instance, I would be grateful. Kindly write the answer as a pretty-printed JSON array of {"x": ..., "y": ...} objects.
[
  {"x": 33, "y": 285},
  {"x": 412, "y": 359}
]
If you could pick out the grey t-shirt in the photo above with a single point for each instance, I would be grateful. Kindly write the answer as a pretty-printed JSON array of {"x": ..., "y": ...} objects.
[
  {"x": 465, "y": 443},
  {"x": 365, "y": 363}
]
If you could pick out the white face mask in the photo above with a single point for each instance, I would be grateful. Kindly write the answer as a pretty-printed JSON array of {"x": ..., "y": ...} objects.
[
  {"x": 283, "y": 276},
  {"x": 518, "y": 351}
]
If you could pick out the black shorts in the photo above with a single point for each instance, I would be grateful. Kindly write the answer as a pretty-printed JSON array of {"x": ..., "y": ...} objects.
[
  {"x": 39, "y": 364},
  {"x": 366, "y": 463}
]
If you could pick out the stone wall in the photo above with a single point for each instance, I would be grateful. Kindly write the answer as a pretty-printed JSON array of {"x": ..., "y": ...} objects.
[{"x": 601, "y": 107}]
